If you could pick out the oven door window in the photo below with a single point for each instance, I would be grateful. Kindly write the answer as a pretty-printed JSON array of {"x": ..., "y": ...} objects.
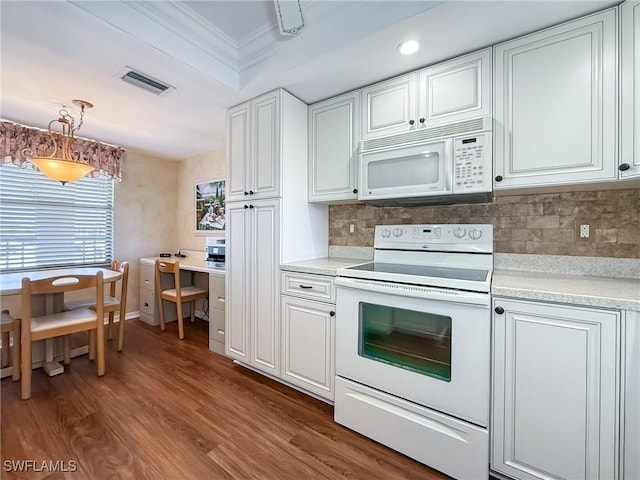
[{"x": 416, "y": 341}]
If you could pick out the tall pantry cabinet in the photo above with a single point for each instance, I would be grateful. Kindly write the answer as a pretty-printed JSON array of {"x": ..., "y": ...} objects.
[{"x": 269, "y": 221}]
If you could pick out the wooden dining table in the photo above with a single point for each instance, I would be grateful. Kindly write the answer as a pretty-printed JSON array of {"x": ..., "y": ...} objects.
[{"x": 11, "y": 284}]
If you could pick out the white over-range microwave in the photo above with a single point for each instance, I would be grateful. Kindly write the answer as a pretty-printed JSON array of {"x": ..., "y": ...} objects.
[{"x": 446, "y": 164}]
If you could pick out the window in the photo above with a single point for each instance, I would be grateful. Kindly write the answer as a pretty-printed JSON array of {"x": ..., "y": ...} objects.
[
  {"x": 416, "y": 341},
  {"x": 46, "y": 224}
]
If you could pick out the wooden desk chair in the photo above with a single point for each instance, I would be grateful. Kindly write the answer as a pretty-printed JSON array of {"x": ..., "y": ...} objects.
[
  {"x": 111, "y": 303},
  {"x": 178, "y": 295},
  {"x": 63, "y": 323},
  {"x": 10, "y": 355}
]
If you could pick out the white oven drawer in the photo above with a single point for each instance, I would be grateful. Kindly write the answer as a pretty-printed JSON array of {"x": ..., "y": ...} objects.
[
  {"x": 456, "y": 448},
  {"x": 317, "y": 287}
]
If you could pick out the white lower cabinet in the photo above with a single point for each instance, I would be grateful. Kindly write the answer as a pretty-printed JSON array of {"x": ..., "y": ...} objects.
[
  {"x": 555, "y": 391},
  {"x": 252, "y": 320},
  {"x": 631, "y": 397},
  {"x": 308, "y": 332}
]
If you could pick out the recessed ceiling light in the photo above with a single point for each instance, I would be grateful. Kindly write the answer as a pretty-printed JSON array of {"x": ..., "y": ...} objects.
[{"x": 409, "y": 47}]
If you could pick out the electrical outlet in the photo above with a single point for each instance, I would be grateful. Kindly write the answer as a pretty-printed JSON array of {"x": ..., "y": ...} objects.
[
  {"x": 352, "y": 228},
  {"x": 584, "y": 230}
]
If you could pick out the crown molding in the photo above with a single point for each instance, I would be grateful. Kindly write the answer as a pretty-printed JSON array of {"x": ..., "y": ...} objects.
[{"x": 191, "y": 38}]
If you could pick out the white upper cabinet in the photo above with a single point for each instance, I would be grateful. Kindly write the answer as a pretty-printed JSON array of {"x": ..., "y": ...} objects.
[
  {"x": 448, "y": 92},
  {"x": 334, "y": 131},
  {"x": 456, "y": 90},
  {"x": 555, "y": 112},
  {"x": 238, "y": 148},
  {"x": 390, "y": 107},
  {"x": 630, "y": 94},
  {"x": 253, "y": 157}
]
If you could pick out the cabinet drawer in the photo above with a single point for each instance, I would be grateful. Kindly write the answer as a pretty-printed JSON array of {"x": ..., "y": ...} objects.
[
  {"x": 147, "y": 301},
  {"x": 216, "y": 293},
  {"x": 216, "y": 324},
  {"x": 147, "y": 273},
  {"x": 306, "y": 285}
]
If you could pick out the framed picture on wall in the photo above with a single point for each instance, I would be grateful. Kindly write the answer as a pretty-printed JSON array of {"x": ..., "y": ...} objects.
[{"x": 210, "y": 215}]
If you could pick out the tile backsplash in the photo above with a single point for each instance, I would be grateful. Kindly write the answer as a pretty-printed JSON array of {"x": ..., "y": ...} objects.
[{"x": 542, "y": 223}]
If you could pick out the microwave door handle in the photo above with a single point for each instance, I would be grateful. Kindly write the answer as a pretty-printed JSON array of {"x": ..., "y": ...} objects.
[{"x": 449, "y": 166}]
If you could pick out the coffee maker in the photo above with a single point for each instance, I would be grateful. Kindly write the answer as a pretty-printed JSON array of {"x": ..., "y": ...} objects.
[{"x": 216, "y": 251}]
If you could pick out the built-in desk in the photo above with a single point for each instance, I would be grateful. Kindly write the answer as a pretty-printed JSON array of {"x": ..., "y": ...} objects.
[{"x": 194, "y": 270}]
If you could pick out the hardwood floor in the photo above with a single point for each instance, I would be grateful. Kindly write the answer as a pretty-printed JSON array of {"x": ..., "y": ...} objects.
[{"x": 170, "y": 409}]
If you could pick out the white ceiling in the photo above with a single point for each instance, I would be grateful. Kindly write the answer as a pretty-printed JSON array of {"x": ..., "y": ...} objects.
[{"x": 219, "y": 53}]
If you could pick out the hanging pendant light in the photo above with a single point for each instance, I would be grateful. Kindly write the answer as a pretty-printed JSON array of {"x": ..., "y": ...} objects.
[{"x": 63, "y": 164}]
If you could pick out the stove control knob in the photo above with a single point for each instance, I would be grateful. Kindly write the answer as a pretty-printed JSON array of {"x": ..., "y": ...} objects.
[
  {"x": 397, "y": 232},
  {"x": 459, "y": 232},
  {"x": 386, "y": 233},
  {"x": 475, "y": 234}
]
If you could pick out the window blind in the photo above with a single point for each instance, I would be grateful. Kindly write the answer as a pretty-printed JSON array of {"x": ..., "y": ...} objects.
[{"x": 46, "y": 224}]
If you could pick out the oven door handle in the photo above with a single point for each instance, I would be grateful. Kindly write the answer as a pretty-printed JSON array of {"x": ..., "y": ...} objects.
[{"x": 416, "y": 291}]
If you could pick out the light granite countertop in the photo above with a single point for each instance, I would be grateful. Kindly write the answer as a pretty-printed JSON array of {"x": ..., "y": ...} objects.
[
  {"x": 575, "y": 288},
  {"x": 605, "y": 292},
  {"x": 321, "y": 266}
]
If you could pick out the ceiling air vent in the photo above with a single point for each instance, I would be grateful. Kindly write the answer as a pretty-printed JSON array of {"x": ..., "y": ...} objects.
[{"x": 143, "y": 81}]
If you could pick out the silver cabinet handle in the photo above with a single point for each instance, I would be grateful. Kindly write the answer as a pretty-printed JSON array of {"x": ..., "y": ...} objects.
[{"x": 221, "y": 299}]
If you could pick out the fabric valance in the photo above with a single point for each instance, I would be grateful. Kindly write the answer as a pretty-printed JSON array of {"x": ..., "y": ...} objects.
[{"x": 14, "y": 138}]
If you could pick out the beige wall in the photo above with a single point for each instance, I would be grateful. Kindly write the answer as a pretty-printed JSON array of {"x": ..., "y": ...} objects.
[
  {"x": 542, "y": 223},
  {"x": 191, "y": 170},
  {"x": 154, "y": 209},
  {"x": 145, "y": 212}
]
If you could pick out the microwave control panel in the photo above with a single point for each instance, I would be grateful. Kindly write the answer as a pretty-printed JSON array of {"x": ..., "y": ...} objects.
[{"x": 470, "y": 171}]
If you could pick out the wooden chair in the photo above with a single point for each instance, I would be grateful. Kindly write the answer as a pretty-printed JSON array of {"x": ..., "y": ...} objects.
[
  {"x": 10, "y": 354},
  {"x": 178, "y": 295},
  {"x": 111, "y": 303},
  {"x": 63, "y": 323}
]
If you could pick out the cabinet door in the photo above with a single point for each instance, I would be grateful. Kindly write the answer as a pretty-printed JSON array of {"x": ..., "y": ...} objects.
[
  {"x": 389, "y": 107},
  {"x": 630, "y": 95},
  {"x": 456, "y": 90},
  {"x": 238, "y": 152},
  {"x": 264, "y": 286},
  {"x": 334, "y": 131},
  {"x": 555, "y": 405},
  {"x": 308, "y": 337},
  {"x": 631, "y": 396},
  {"x": 239, "y": 255},
  {"x": 555, "y": 105},
  {"x": 265, "y": 123}
]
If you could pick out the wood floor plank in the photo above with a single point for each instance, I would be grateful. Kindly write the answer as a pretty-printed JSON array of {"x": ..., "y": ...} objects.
[{"x": 170, "y": 409}]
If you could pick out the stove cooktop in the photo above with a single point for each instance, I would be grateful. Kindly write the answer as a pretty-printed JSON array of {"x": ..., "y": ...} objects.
[{"x": 467, "y": 274}]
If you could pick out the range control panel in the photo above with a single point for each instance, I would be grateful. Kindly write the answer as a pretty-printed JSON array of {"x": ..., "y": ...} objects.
[
  {"x": 471, "y": 163},
  {"x": 452, "y": 237}
]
